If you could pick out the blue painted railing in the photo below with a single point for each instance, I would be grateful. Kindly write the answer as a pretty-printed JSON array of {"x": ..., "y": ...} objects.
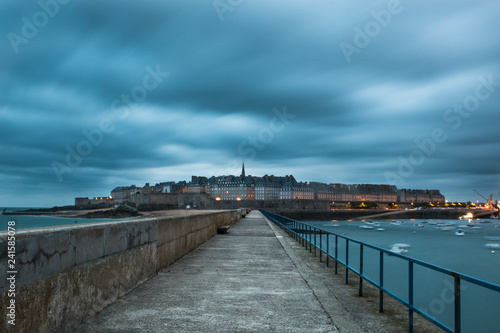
[{"x": 307, "y": 234}]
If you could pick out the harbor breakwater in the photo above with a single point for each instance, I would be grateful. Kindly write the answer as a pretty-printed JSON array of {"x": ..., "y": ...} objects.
[
  {"x": 349, "y": 214},
  {"x": 62, "y": 275}
]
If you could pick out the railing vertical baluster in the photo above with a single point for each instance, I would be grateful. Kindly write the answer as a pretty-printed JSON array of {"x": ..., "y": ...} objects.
[
  {"x": 410, "y": 296},
  {"x": 336, "y": 253},
  {"x": 327, "y": 249},
  {"x": 360, "y": 269},
  {"x": 315, "y": 246},
  {"x": 297, "y": 232},
  {"x": 310, "y": 239},
  {"x": 381, "y": 283},
  {"x": 306, "y": 235},
  {"x": 320, "y": 245},
  {"x": 346, "y": 261},
  {"x": 303, "y": 232},
  {"x": 309, "y": 232},
  {"x": 457, "y": 298}
]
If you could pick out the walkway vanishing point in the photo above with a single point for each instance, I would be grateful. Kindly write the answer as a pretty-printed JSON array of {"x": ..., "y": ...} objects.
[{"x": 255, "y": 278}]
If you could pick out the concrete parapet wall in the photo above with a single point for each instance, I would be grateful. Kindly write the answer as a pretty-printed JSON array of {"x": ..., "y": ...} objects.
[
  {"x": 66, "y": 274},
  {"x": 180, "y": 236}
]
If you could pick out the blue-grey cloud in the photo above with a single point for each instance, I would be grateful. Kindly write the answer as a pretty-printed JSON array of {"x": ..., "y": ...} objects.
[{"x": 155, "y": 91}]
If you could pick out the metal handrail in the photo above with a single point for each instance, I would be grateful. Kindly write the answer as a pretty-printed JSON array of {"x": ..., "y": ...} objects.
[{"x": 308, "y": 238}]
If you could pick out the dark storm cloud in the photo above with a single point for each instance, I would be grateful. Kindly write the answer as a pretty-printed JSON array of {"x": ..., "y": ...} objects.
[{"x": 352, "y": 117}]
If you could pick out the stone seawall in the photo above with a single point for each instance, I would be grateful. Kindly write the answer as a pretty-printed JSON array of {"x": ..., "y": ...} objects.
[
  {"x": 66, "y": 274},
  {"x": 203, "y": 201},
  {"x": 175, "y": 200}
]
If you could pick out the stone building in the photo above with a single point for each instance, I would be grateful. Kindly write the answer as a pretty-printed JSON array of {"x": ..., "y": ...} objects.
[{"x": 243, "y": 187}]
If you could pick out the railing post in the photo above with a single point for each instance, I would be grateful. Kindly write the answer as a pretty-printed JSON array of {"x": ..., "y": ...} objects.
[
  {"x": 315, "y": 242},
  {"x": 346, "y": 261},
  {"x": 320, "y": 246},
  {"x": 336, "y": 253},
  {"x": 457, "y": 298},
  {"x": 381, "y": 282},
  {"x": 410, "y": 296},
  {"x": 310, "y": 239},
  {"x": 306, "y": 236},
  {"x": 296, "y": 231},
  {"x": 360, "y": 269},
  {"x": 327, "y": 249},
  {"x": 304, "y": 230},
  {"x": 303, "y": 233}
]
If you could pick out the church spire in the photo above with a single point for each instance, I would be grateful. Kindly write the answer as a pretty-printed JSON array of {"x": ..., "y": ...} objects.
[{"x": 243, "y": 171}]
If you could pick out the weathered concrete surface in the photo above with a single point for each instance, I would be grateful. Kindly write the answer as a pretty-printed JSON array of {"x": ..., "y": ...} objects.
[
  {"x": 43, "y": 252},
  {"x": 68, "y": 273},
  {"x": 252, "y": 279},
  {"x": 240, "y": 281},
  {"x": 351, "y": 313},
  {"x": 62, "y": 301}
]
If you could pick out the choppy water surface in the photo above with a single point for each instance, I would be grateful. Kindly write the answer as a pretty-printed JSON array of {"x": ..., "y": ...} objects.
[{"x": 476, "y": 253}]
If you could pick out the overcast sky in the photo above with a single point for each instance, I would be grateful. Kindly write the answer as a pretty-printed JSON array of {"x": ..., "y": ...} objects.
[{"x": 101, "y": 94}]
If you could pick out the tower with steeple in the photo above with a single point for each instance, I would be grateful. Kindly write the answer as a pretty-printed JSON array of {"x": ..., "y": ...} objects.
[{"x": 243, "y": 171}]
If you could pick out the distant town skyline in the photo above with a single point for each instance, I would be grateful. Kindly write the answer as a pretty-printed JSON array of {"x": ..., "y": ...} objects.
[
  {"x": 98, "y": 94},
  {"x": 187, "y": 180},
  {"x": 245, "y": 187}
]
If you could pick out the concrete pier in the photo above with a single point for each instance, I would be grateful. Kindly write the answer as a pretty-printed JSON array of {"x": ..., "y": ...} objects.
[{"x": 255, "y": 278}]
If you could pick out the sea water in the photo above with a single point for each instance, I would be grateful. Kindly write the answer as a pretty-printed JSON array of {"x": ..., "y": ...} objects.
[
  {"x": 33, "y": 221},
  {"x": 435, "y": 242}
]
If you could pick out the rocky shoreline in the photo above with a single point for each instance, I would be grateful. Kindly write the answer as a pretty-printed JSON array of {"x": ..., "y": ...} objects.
[{"x": 122, "y": 211}]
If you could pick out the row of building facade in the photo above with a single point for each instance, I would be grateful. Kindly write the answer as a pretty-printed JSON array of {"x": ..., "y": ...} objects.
[{"x": 245, "y": 187}]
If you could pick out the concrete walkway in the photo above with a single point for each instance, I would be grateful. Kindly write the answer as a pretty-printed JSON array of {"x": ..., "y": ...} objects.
[{"x": 252, "y": 279}]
